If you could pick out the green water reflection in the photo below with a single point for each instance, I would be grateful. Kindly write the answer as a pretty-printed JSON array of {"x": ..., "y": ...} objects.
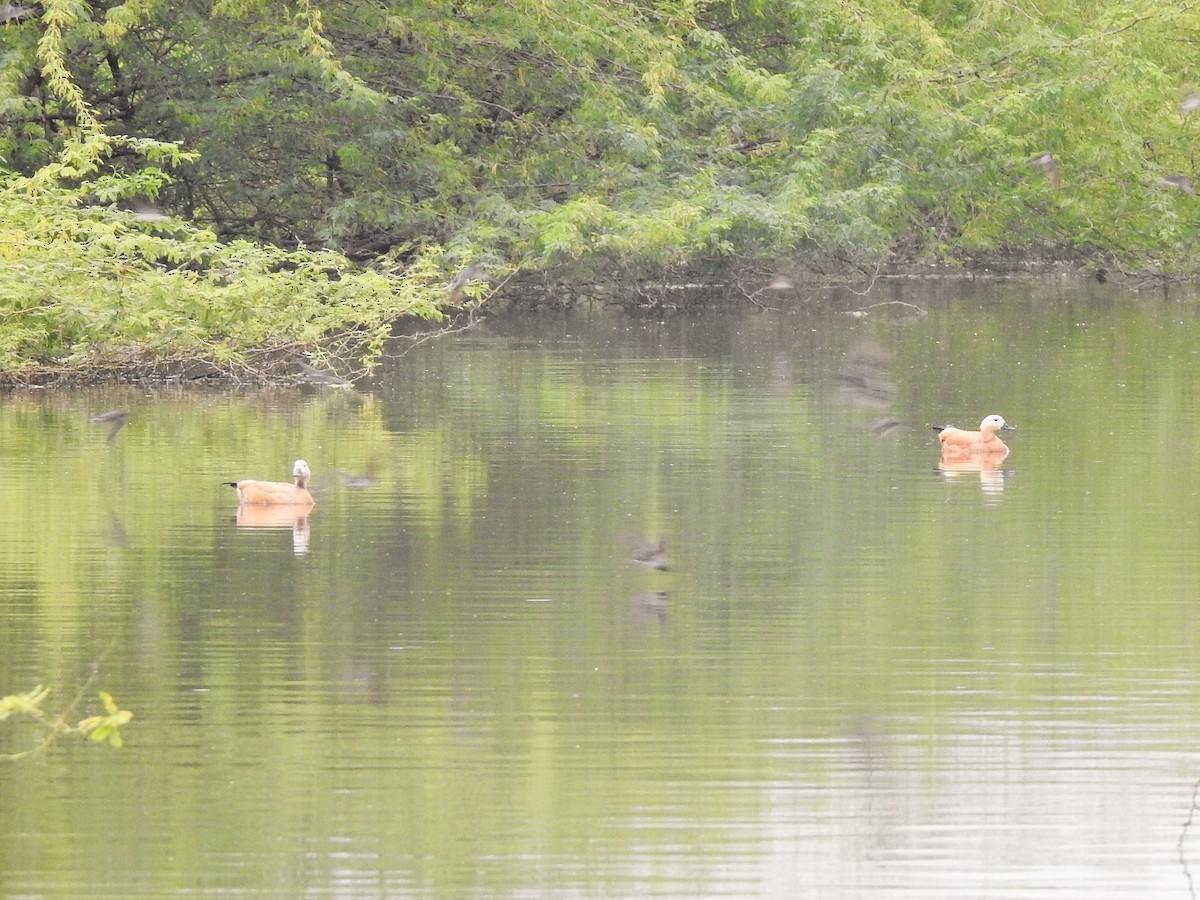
[{"x": 862, "y": 676}]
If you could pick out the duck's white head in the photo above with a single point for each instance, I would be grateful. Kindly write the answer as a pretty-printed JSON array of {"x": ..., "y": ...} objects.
[
  {"x": 994, "y": 423},
  {"x": 300, "y": 467}
]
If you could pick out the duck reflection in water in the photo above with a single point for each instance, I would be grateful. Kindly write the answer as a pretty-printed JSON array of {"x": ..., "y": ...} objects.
[
  {"x": 295, "y": 518},
  {"x": 991, "y": 476}
]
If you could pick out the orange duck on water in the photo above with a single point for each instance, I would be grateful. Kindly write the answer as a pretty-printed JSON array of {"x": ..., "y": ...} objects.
[
  {"x": 957, "y": 443},
  {"x": 276, "y": 493}
]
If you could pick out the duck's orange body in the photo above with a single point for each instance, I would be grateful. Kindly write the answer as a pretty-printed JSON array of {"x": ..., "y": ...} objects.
[
  {"x": 959, "y": 443},
  {"x": 276, "y": 493}
]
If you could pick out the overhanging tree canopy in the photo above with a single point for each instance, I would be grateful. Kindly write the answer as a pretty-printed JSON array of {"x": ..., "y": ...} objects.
[{"x": 598, "y": 133}]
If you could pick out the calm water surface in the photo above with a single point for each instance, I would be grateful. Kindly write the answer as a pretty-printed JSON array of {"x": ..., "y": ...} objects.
[{"x": 862, "y": 676}]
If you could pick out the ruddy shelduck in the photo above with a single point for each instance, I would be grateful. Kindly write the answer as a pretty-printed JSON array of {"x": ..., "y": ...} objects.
[
  {"x": 957, "y": 442},
  {"x": 276, "y": 493}
]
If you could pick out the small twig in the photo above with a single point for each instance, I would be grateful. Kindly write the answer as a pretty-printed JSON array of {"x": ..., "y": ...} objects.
[
  {"x": 58, "y": 724},
  {"x": 873, "y": 277},
  {"x": 753, "y": 296},
  {"x": 418, "y": 339},
  {"x": 1183, "y": 834}
]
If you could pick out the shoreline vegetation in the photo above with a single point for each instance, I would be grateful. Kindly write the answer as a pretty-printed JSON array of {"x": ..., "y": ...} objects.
[{"x": 214, "y": 192}]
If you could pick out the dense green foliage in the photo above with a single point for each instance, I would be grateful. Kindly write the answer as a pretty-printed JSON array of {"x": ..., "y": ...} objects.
[
  {"x": 90, "y": 290},
  {"x": 588, "y": 136}
]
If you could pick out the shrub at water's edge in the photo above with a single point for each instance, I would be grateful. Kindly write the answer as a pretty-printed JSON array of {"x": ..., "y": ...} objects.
[
  {"x": 98, "y": 282},
  {"x": 99, "y": 292}
]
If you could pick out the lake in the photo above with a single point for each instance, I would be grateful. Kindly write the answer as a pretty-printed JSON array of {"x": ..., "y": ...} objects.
[{"x": 861, "y": 674}]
